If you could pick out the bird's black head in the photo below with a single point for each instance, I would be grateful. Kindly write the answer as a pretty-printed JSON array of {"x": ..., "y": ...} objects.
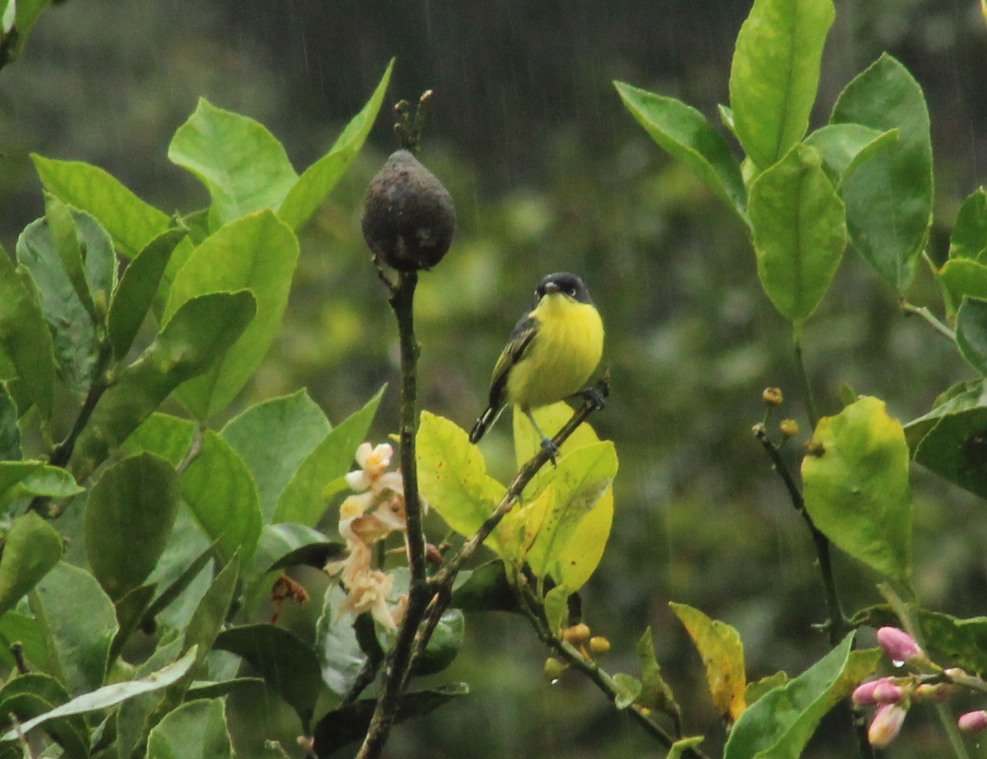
[{"x": 565, "y": 283}]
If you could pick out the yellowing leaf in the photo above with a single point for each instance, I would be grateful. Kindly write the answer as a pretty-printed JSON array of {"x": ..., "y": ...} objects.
[
  {"x": 551, "y": 419},
  {"x": 856, "y": 486},
  {"x": 452, "y": 476},
  {"x": 723, "y": 654},
  {"x": 583, "y": 551}
]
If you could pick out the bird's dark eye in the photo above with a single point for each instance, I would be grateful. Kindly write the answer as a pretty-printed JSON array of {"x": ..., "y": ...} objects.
[{"x": 570, "y": 290}]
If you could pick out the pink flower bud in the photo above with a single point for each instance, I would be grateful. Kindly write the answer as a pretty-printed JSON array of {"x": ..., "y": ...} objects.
[
  {"x": 863, "y": 695},
  {"x": 886, "y": 725},
  {"x": 886, "y": 692},
  {"x": 898, "y": 644},
  {"x": 973, "y": 722}
]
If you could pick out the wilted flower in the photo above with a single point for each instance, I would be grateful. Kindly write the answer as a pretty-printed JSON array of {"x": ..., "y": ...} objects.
[
  {"x": 886, "y": 725},
  {"x": 973, "y": 722}
]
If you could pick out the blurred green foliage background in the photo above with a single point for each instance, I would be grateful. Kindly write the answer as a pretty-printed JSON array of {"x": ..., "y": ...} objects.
[{"x": 549, "y": 174}]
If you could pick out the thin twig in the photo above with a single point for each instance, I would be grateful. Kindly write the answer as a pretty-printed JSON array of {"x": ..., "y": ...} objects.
[
  {"x": 926, "y": 314},
  {"x": 810, "y": 401},
  {"x": 837, "y": 626}
]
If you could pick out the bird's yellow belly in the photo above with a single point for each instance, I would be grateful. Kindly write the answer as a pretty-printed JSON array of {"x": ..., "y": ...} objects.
[{"x": 567, "y": 352}]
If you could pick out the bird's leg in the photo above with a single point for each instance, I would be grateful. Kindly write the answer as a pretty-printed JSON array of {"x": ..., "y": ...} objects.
[
  {"x": 594, "y": 395},
  {"x": 548, "y": 445}
]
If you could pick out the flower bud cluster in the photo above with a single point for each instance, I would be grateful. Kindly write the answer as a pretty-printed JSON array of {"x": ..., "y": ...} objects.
[
  {"x": 893, "y": 696},
  {"x": 581, "y": 638}
]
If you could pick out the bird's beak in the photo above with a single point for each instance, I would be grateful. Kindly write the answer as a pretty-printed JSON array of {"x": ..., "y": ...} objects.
[{"x": 551, "y": 288}]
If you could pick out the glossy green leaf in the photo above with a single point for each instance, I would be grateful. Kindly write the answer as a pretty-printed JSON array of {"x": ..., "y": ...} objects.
[
  {"x": 289, "y": 666},
  {"x": 24, "y": 334},
  {"x": 799, "y": 232},
  {"x": 32, "y": 548},
  {"x": 302, "y": 500},
  {"x": 889, "y": 198},
  {"x": 775, "y": 74},
  {"x": 723, "y": 654},
  {"x": 129, "y": 515},
  {"x": 274, "y": 438},
  {"x": 780, "y": 724},
  {"x": 856, "y": 486},
  {"x": 240, "y": 162},
  {"x": 82, "y": 621},
  {"x": 846, "y": 147},
  {"x": 688, "y": 136},
  {"x": 951, "y": 439},
  {"x": 131, "y": 611},
  {"x": 212, "y": 610},
  {"x": 258, "y": 253},
  {"x": 170, "y": 437},
  {"x": 219, "y": 490},
  {"x": 63, "y": 234},
  {"x": 31, "y": 694},
  {"x": 971, "y": 332},
  {"x": 319, "y": 179},
  {"x": 131, "y": 222},
  {"x": 452, "y": 476},
  {"x": 110, "y": 695},
  {"x": 195, "y": 730},
  {"x": 763, "y": 686},
  {"x": 138, "y": 285},
  {"x": 179, "y": 574},
  {"x": 75, "y": 337},
  {"x": 349, "y": 723},
  {"x": 193, "y": 340},
  {"x": 969, "y": 238}
]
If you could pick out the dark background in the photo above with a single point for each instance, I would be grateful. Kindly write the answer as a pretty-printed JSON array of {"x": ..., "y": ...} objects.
[{"x": 550, "y": 173}]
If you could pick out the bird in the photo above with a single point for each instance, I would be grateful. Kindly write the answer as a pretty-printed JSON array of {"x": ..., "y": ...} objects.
[{"x": 552, "y": 352}]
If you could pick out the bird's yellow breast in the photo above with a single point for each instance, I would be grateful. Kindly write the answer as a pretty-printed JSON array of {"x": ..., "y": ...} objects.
[{"x": 563, "y": 354}]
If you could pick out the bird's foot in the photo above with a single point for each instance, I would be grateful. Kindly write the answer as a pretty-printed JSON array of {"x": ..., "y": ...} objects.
[
  {"x": 552, "y": 449},
  {"x": 593, "y": 395}
]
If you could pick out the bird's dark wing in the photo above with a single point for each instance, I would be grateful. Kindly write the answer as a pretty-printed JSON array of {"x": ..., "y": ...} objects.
[{"x": 520, "y": 340}]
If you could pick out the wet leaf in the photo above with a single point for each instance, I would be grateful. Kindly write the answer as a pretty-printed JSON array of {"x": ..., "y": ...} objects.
[
  {"x": 303, "y": 500},
  {"x": 129, "y": 515},
  {"x": 856, "y": 486},
  {"x": 799, "y": 232},
  {"x": 723, "y": 655},
  {"x": 130, "y": 221},
  {"x": 775, "y": 74}
]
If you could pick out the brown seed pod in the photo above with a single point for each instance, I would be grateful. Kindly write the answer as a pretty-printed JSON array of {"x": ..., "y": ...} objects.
[{"x": 408, "y": 216}]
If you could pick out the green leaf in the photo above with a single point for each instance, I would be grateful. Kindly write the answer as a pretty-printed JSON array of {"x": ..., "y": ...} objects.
[
  {"x": 349, "y": 723},
  {"x": 10, "y": 433},
  {"x": 319, "y": 179},
  {"x": 22, "y": 16},
  {"x": 75, "y": 336},
  {"x": 170, "y": 437},
  {"x": 82, "y": 621},
  {"x": 955, "y": 642},
  {"x": 302, "y": 500},
  {"x": 131, "y": 222},
  {"x": 137, "y": 288},
  {"x": 775, "y": 74},
  {"x": 289, "y": 666},
  {"x": 655, "y": 692},
  {"x": 628, "y": 690},
  {"x": 765, "y": 685},
  {"x": 30, "y": 478},
  {"x": 889, "y": 198},
  {"x": 191, "y": 342},
  {"x": 723, "y": 654},
  {"x": 799, "y": 232},
  {"x": 110, "y": 695},
  {"x": 258, "y": 253},
  {"x": 63, "y": 234},
  {"x": 21, "y": 628},
  {"x": 131, "y": 611},
  {"x": 24, "y": 334},
  {"x": 688, "y": 136},
  {"x": 556, "y": 605},
  {"x": 780, "y": 724},
  {"x": 846, "y": 147},
  {"x": 32, "y": 694},
  {"x": 195, "y": 730},
  {"x": 961, "y": 277},
  {"x": 274, "y": 438},
  {"x": 951, "y": 440},
  {"x": 221, "y": 494},
  {"x": 856, "y": 486},
  {"x": 444, "y": 645},
  {"x": 969, "y": 238},
  {"x": 486, "y": 588},
  {"x": 340, "y": 655},
  {"x": 452, "y": 476},
  {"x": 31, "y": 549},
  {"x": 212, "y": 610},
  {"x": 546, "y": 525},
  {"x": 129, "y": 515},
  {"x": 239, "y": 161},
  {"x": 971, "y": 332}
]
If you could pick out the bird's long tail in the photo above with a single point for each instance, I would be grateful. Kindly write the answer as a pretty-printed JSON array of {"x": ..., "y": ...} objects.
[{"x": 485, "y": 422}]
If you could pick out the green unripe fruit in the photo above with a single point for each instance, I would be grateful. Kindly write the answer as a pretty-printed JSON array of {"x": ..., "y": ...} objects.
[{"x": 408, "y": 216}]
